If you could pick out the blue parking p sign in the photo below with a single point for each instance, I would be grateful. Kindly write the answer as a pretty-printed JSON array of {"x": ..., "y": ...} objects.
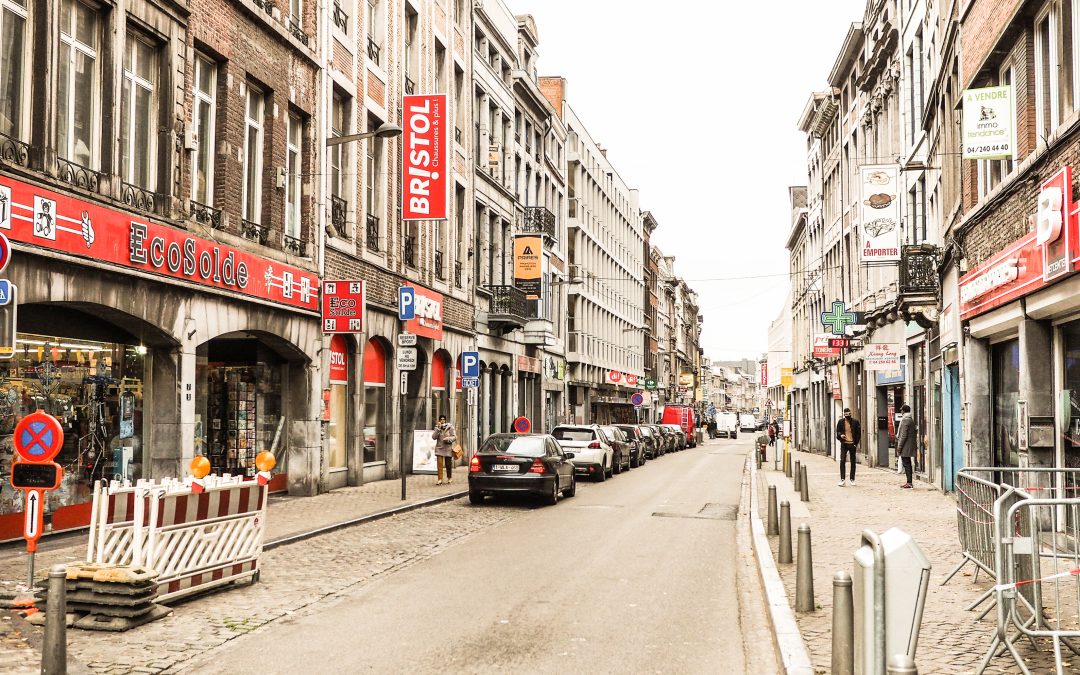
[
  {"x": 406, "y": 303},
  {"x": 470, "y": 364}
]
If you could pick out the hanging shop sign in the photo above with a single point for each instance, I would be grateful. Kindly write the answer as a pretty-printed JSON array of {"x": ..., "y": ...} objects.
[
  {"x": 787, "y": 377},
  {"x": 989, "y": 126},
  {"x": 1011, "y": 273},
  {"x": 339, "y": 360},
  {"x": 343, "y": 306},
  {"x": 614, "y": 376},
  {"x": 882, "y": 356},
  {"x": 528, "y": 364},
  {"x": 631, "y": 379},
  {"x": 1055, "y": 225},
  {"x": 528, "y": 265},
  {"x": 879, "y": 213},
  {"x": 427, "y": 317},
  {"x": 822, "y": 350},
  {"x": 764, "y": 376},
  {"x": 650, "y": 384},
  {"x": 60, "y": 223},
  {"x": 686, "y": 379},
  {"x": 425, "y": 159},
  {"x": 839, "y": 318}
]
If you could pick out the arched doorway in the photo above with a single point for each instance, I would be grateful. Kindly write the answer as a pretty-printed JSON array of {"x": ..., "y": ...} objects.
[
  {"x": 376, "y": 405},
  {"x": 416, "y": 414},
  {"x": 441, "y": 382},
  {"x": 340, "y": 412}
]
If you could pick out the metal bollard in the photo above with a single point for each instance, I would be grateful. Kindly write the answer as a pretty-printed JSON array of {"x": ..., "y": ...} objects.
[
  {"x": 785, "y": 533},
  {"x": 804, "y": 486},
  {"x": 843, "y": 625},
  {"x": 798, "y": 475},
  {"x": 757, "y": 455},
  {"x": 901, "y": 664},
  {"x": 772, "y": 525},
  {"x": 787, "y": 465},
  {"x": 54, "y": 648},
  {"x": 804, "y": 575}
]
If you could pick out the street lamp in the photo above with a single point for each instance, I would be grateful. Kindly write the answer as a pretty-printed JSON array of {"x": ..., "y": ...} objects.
[{"x": 384, "y": 130}]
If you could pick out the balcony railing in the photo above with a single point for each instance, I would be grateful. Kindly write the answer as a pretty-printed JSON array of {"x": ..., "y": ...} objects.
[
  {"x": 440, "y": 270},
  {"x": 265, "y": 5},
  {"x": 339, "y": 209},
  {"x": 253, "y": 231},
  {"x": 341, "y": 19},
  {"x": 13, "y": 151},
  {"x": 371, "y": 233},
  {"x": 78, "y": 175},
  {"x": 457, "y": 274},
  {"x": 457, "y": 135},
  {"x": 373, "y": 49},
  {"x": 410, "y": 250},
  {"x": 509, "y": 306},
  {"x": 138, "y": 198},
  {"x": 410, "y": 86},
  {"x": 294, "y": 245},
  {"x": 298, "y": 32},
  {"x": 206, "y": 215},
  {"x": 918, "y": 270},
  {"x": 539, "y": 219}
]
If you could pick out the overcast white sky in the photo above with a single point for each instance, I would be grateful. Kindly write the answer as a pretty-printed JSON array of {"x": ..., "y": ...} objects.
[{"x": 697, "y": 104}]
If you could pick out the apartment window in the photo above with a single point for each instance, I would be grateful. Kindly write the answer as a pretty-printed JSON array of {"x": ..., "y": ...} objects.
[
  {"x": 1046, "y": 75},
  {"x": 992, "y": 171},
  {"x": 440, "y": 68},
  {"x": 374, "y": 24},
  {"x": 411, "y": 21},
  {"x": 459, "y": 101},
  {"x": 916, "y": 208},
  {"x": 373, "y": 195},
  {"x": 253, "y": 159},
  {"x": 202, "y": 122},
  {"x": 13, "y": 80},
  {"x": 77, "y": 91},
  {"x": 337, "y": 152},
  {"x": 296, "y": 11},
  {"x": 459, "y": 12},
  {"x": 915, "y": 70},
  {"x": 137, "y": 112},
  {"x": 293, "y": 167}
]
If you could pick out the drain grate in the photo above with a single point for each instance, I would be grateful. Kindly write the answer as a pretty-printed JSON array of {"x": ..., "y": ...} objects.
[{"x": 707, "y": 512}]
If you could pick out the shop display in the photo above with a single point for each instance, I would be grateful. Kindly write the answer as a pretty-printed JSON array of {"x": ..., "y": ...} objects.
[{"x": 244, "y": 411}]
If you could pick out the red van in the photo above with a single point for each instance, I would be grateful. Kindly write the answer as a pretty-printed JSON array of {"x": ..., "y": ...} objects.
[{"x": 682, "y": 415}]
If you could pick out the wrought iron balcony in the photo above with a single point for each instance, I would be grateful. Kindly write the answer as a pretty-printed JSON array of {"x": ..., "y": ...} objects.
[
  {"x": 457, "y": 274},
  {"x": 539, "y": 219},
  {"x": 339, "y": 209},
  {"x": 14, "y": 151},
  {"x": 410, "y": 250},
  {"x": 294, "y": 245},
  {"x": 410, "y": 86},
  {"x": 265, "y": 5},
  {"x": 371, "y": 233},
  {"x": 457, "y": 135},
  {"x": 341, "y": 19},
  {"x": 298, "y": 32},
  {"x": 138, "y": 198},
  {"x": 373, "y": 49},
  {"x": 440, "y": 270},
  {"x": 254, "y": 231},
  {"x": 918, "y": 270},
  {"x": 509, "y": 308},
  {"x": 78, "y": 175},
  {"x": 206, "y": 215}
]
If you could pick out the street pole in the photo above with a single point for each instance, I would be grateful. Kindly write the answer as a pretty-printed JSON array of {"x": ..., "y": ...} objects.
[{"x": 403, "y": 385}]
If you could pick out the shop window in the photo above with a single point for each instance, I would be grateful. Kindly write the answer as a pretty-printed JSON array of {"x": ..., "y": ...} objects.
[
  {"x": 1005, "y": 381},
  {"x": 95, "y": 389},
  {"x": 375, "y": 408},
  {"x": 337, "y": 432},
  {"x": 76, "y": 118},
  {"x": 13, "y": 67},
  {"x": 440, "y": 387}
]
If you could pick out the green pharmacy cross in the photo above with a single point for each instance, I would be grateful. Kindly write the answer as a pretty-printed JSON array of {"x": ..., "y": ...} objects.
[{"x": 839, "y": 318}]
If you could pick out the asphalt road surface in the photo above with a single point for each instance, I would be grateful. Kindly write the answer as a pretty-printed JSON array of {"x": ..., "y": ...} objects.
[{"x": 634, "y": 575}]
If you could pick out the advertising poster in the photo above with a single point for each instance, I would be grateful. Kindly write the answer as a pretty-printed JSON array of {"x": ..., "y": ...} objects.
[
  {"x": 423, "y": 455},
  {"x": 879, "y": 213},
  {"x": 528, "y": 264},
  {"x": 882, "y": 356},
  {"x": 425, "y": 163},
  {"x": 989, "y": 127}
]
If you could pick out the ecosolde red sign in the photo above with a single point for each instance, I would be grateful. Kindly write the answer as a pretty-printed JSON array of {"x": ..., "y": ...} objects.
[
  {"x": 425, "y": 159},
  {"x": 33, "y": 215},
  {"x": 343, "y": 306}
]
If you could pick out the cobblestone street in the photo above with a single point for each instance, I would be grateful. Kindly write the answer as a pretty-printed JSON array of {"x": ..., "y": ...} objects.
[{"x": 951, "y": 641}]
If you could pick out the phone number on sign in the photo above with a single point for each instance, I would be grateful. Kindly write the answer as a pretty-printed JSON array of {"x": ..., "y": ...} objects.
[{"x": 1003, "y": 148}]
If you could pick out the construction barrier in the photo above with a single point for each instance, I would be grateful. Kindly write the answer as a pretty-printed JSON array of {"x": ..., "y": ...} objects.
[{"x": 194, "y": 540}]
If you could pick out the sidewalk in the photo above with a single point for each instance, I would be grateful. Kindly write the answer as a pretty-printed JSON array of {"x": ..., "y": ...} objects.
[{"x": 951, "y": 640}]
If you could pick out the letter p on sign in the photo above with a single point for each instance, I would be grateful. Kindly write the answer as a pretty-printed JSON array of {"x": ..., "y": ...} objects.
[
  {"x": 406, "y": 303},
  {"x": 470, "y": 364}
]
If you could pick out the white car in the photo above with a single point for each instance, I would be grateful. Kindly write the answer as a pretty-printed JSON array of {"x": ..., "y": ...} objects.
[
  {"x": 747, "y": 422},
  {"x": 593, "y": 454}
]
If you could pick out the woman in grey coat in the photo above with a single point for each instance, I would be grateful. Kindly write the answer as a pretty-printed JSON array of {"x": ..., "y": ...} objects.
[
  {"x": 905, "y": 442},
  {"x": 444, "y": 437}
]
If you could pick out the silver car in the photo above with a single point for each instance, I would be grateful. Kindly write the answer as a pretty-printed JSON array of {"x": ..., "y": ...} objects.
[{"x": 593, "y": 455}]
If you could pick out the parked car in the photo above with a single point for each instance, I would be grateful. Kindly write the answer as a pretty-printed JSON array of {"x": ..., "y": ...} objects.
[
  {"x": 727, "y": 425},
  {"x": 620, "y": 446},
  {"x": 747, "y": 422},
  {"x": 678, "y": 437},
  {"x": 652, "y": 440},
  {"x": 521, "y": 464},
  {"x": 593, "y": 454},
  {"x": 663, "y": 441},
  {"x": 683, "y": 417},
  {"x": 635, "y": 436}
]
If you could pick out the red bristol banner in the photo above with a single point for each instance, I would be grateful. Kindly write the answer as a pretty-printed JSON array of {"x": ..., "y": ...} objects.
[{"x": 425, "y": 161}]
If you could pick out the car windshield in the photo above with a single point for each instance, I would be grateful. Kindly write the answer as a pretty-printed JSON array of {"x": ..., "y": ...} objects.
[
  {"x": 522, "y": 446},
  {"x": 629, "y": 431},
  {"x": 573, "y": 434}
]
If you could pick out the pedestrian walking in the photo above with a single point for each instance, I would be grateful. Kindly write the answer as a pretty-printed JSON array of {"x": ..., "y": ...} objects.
[
  {"x": 848, "y": 432},
  {"x": 762, "y": 441},
  {"x": 772, "y": 433},
  {"x": 445, "y": 437},
  {"x": 905, "y": 442}
]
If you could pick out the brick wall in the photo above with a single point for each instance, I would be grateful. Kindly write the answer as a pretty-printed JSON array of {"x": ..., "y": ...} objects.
[
  {"x": 981, "y": 28},
  {"x": 554, "y": 90}
]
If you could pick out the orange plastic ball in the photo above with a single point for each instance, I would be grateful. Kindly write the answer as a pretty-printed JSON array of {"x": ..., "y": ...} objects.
[
  {"x": 265, "y": 460},
  {"x": 200, "y": 466}
]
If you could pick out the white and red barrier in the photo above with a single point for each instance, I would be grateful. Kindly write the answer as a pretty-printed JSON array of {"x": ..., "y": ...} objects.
[{"x": 194, "y": 539}]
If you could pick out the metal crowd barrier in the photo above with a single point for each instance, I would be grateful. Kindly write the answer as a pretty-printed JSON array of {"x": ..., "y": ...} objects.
[{"x": 194, "y": 541}]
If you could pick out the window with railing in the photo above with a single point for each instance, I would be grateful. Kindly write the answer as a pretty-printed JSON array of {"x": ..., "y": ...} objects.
[
  {"x": 78, "y": 87},
  {"x": 14, "y": 82},
  {"x": 203, "y": 111},
  {"x": 457, "y": 274},
  {"x": 253, "y": 156},
  {"x": 293, "y": 173},
  {"x": 440, "y": 271},
  {"x": 371, "y": 233},
  {"x": 253, "y": 231},
  {"x": 410, "y": 249},
  {"x": 375, "y": 29},
  {"x": 341, "y": 18},
  {"x": 339, "y": 209}
]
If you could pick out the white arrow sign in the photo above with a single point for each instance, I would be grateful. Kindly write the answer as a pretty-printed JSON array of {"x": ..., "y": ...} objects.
[{"x": 33, "y": 505}]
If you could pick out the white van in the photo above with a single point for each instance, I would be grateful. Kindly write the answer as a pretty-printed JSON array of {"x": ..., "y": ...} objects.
[
  {"x": 727, "y": 425},
  {"x": 747, "y": 422}
]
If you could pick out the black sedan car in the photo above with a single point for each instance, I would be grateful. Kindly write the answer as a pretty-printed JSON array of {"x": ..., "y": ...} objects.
[
  {"x": 638, "y": 443},
  {"x": 521, "y": 464}
]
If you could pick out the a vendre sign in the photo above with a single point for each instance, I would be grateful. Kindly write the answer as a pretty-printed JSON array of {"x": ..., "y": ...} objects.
[{"x": 425, "y": 160}]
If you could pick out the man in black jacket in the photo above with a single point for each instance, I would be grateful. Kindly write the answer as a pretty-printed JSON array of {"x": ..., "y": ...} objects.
[{"x": 848, "y": 432}]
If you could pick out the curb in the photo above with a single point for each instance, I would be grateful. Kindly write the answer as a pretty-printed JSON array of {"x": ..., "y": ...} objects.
[
  {"x": 794, "y": 658},
  {"x": 370, "y": 517}
]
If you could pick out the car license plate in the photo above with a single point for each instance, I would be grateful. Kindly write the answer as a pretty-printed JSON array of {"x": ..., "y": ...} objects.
[{"x": 504, "y": 467}]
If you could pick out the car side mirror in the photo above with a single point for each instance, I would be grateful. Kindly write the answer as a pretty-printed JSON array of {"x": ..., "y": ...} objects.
[{"x": 568, "y": 455}]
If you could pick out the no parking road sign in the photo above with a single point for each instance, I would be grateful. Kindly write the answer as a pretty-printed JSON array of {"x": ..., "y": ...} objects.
[
  {"x": 522, "y": 425},
  {"x": 637, "y": 400},
  {"x": 37, "y": 439}
]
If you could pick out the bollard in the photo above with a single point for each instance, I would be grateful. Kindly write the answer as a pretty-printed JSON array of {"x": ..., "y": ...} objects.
[
  {"x": 901, "y": 664},
  {"x": 785, "y": 533},
  {"x": 843, "y": 625},
  {"x": 772, "y": 524},
  {"x": 54, "y": 648},
  {"x": 787, "y": 465},
  {"x": 798, "y": 476},
  {"x": 758, "y": 460},
  {"x": 804, "y": 575},
  {"x": 804, "y": 486}
]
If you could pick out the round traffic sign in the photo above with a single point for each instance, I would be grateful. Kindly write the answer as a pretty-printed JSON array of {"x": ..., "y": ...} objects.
[
  {"x": 5, "y": 251},
  {"x": 637, "y": 399},
  {"x": 522, "y": 425},
  {"x": 38, "y": 437}
]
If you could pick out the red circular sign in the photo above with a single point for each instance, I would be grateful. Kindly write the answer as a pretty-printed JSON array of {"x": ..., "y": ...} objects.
[
  {"x": 631, "y": 379},
  {"x": 5, "y": 251},
  {"x": 38, "y": 437},
  {"x": 614, "y": 376},
  {"x": 522, "y": 425}
]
